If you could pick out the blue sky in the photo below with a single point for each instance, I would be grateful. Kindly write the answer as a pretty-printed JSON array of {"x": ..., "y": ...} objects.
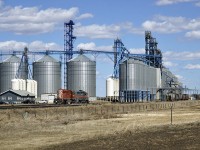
[{"x": 175, "y": 23}]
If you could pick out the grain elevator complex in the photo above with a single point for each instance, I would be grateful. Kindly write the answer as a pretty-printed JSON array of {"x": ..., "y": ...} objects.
[{"x": 136, "y": 77}]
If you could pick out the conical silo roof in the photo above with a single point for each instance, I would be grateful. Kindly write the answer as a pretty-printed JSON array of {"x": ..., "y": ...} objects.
[
  {"x": 13, "y": 59},
  {"x": 81, "y": 58},
  {"x": 47, "y": 58}
]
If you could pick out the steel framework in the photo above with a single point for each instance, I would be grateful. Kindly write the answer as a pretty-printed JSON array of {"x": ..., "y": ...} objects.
[
  {"x": 120, "y": 52},
  {"x": 68, "y": 46},
  {"x": 24, "y": 60},
  {"x": 152, "y": 50}
]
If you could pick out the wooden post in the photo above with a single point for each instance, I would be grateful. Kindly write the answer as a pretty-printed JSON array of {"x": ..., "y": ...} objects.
[{"x": 171, "y": 114}]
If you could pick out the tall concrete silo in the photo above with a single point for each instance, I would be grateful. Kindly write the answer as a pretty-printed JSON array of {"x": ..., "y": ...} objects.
[
  {"x": 47, "y": 73},
  {"x": 81, "y": 75},
  {"x": 8, "y": 71}
]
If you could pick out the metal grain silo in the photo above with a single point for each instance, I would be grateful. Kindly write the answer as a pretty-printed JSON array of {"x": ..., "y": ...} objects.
[
  {"x": 137, "y": 80},
  {"x": 47, "y": 73},
  {"x": 81, "y": 75},
  {"x": 130, "y": 75},
  {"x": 8, "y": 71},
  {"x": 135, "y": 75}
]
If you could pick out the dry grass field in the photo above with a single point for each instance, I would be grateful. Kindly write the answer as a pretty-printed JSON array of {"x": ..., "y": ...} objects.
[{"x": 105, "y": 126}]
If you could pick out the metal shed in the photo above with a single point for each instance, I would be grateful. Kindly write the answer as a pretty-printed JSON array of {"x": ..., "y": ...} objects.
[{"x": 16, "y": 96}]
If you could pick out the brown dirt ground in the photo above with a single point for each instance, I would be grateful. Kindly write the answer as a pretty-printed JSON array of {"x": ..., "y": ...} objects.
[
  {"x": 167, "y": 137},
  {"x": 56, "y": 128}
]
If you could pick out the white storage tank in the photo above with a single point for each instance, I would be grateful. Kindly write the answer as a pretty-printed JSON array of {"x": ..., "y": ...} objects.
[
  {"x": 35, "y": 87},
  {"x": 112, "y": 87},
  {"x": 18, "y": 84},
  {"x": 15, "y": 84},
  {"x": 29, "y": 85},
  {"x": 32, "y": 87},
  {"x": 24, "y": 85}
]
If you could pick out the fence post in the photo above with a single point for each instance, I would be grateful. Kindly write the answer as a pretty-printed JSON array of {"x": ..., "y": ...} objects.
[{"x": 171, "y": 114}]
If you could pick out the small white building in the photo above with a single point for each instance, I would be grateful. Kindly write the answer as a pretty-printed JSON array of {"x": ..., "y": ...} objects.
[{"x": 49, "y": 97}]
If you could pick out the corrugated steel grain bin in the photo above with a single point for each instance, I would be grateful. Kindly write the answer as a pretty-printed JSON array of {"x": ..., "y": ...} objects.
[
  {"x": 81, "y": 75},
  {"x": 47, "y": 73},
  {"x": 8, "y": 71}
]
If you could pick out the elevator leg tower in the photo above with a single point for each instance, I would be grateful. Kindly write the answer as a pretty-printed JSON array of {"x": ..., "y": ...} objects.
[{"x": 68, "y": 46}]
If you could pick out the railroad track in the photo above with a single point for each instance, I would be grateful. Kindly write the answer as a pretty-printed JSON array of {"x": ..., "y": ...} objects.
[{"x": 21, "y": 106}]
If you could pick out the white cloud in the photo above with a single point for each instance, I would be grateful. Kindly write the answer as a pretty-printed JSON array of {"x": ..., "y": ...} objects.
[
  {"x": 85, "y": 16},
  {"x": 92, "y": 46},
  {"x": 137, "y": 50},
  {"x": 169, "y": 55},
  {"x": 128, "y": 26},
  {"x": 193, "y": 34},
  {"x": 39, "y": 45},
  {"x": 97, "y": 31},
  {"x": 35, "y": 45},
  {"x": 179, "y": 77},
  {"x": 12, "y": 45},
  {"x": 169, "y": 2},
  {"x": 32, "y": 20},
  {"x": 165, "y": 24},
  {"x": 191, "y": 66},
  {"x": 162, "y": 26},
  {"x": 169, "y": 64},
  {"x": 198, "y": 4}
]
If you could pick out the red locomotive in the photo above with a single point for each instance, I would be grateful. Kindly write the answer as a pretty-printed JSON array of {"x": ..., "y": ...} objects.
[{"x": 68, "y": 97}]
